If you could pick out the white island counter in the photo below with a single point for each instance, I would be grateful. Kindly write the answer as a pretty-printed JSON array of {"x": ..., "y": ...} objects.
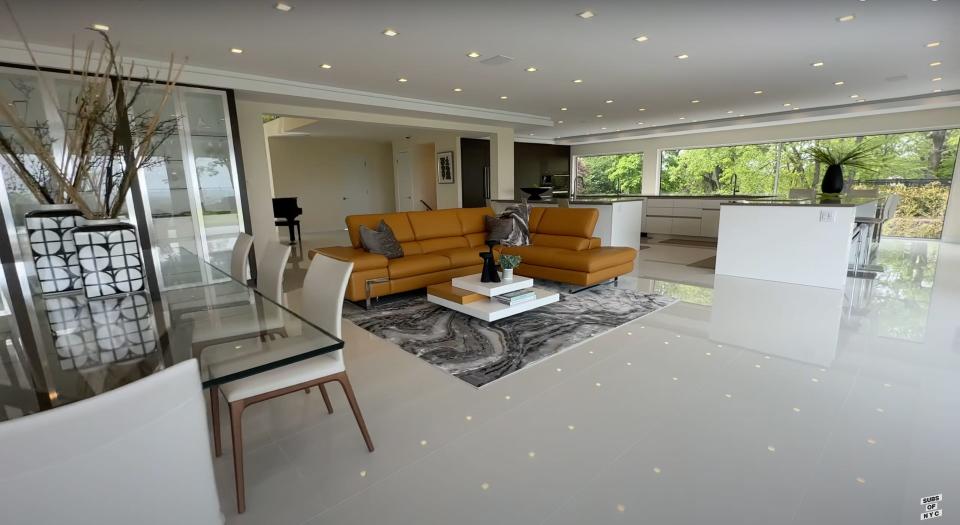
[{"x": 807, "y": 242}]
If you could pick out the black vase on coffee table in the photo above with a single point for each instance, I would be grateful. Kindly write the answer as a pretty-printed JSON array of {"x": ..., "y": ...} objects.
[{"x": 489, "y": 273}]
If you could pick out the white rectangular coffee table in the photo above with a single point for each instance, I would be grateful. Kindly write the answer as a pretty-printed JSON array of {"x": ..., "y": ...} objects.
[{"x": 488, "y": 307}]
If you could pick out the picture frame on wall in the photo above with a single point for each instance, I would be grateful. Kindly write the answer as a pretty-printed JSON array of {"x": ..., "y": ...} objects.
[{"x": 445, "y": 167}]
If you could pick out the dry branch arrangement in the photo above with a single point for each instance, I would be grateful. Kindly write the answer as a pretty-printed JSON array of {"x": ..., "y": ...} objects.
[{"x": 110, "y": 128}]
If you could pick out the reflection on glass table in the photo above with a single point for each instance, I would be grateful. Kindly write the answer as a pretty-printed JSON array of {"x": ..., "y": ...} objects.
[{"x": 87, "y": 347}]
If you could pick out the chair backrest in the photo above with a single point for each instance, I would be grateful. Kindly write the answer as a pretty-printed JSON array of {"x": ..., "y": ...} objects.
[
  {"x": 323, "y": 291},
  {"x": 890, "y": 207},
  {"x": 270, "y": 270},
  {"x": 802, "y": 193},
  {"x": 136, "y": 454},
  {"x": 864, "y": 192},
  {"x": 240, "y": 257}
]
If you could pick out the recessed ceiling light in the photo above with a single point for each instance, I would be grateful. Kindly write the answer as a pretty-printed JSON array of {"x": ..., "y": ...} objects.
[
  {"x": 401, "y": 80},
  {"x": 586, "y": 14},
  {"x": 283, "y": 7},
  {"x": 817, "y": 64},
  {"x": 854, "y": 96},
  {"x": 531, "y": 69},
  {"x": 326, "y": 66},
  {"x": 681, "y": 118},
  {"x": 787, "y": 104},
  {"x": 504, "y": 97},
  {"x": 641, "y": 109},
  {"x": 838, "y": 83},
  {"x": 861, "y": 100},
  {"x": 559, "y": 122},
  {"x": 599, "y": 115},
  {"x": 641, "y": 38},
  {"x": 236, "y": 50},
  {"x": 603, "y": 128},
  {"x": 639, "y": 123},
  {"x": 473, "y": 54},
  {"x": 390, "y": 32},
  {"x": 794, "y": 108},
  {"x": 742, "y": 115},
  {"x": 936, "y": 79},
  {"x": 608, "y": 101},
  {"x": 937, "y": 90},
  {"x": 532, "y": 134},
  {"x": 845, "y": 18},
  {"x": 458, "y": 90},
  {"x": 695, "y": 101},
  {"x": 683, "y": 56},
  {"x": 933, "y": 44},
  {"x": 563, "y": 109},
  {"x": 758, "y": 92},
  {"x": 578, "y": 81},
  {"x": 935, "y": 64},
  {"x": 729, "y": 112},
  {"x": 101, "y": 27}
]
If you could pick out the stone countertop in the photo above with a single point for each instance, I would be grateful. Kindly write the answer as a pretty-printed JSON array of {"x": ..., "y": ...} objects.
[
  {"x": 710, "y": 196},
  {"x": 819, "y": 201}
]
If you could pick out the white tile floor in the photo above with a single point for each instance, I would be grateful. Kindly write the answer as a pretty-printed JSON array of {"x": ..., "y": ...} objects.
[{"x": 781, "y": 404}]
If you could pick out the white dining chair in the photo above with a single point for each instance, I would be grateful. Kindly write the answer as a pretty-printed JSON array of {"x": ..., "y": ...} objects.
[
  {"x": 323, "y": 292},
  {"x": 240, "y": 257},
  {"x": 241, "y": 322},
  {"x": 135, "y": 454},
  {"x": 802, "y": 193}
]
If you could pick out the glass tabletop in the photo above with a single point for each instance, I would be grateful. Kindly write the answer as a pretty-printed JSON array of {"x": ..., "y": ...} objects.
[{"x": 86, "y": 347}]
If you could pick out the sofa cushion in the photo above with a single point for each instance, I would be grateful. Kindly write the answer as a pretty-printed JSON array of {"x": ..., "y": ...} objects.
[
  {"x": 498, "y": 228},
  {"x": 471, "y": 219},
  {"x": 581, "y": 261},
  {"x": 361, "y": 259},
  {"x": 520, "y": 234},
  {"x": 443, "y": 243},
  {"x": 460, "y": 257},
  {"x": 411, "y": 265},
  {"x": 435, "y": 224},
  {"x": 396, "y": 221},
  {"x": 560, "y": 241},
  {"x": 572, "y": 222}
]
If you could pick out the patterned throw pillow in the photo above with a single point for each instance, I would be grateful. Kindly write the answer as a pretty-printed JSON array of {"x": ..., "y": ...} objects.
[
  {"x": 519, "y": 214},
  {"x": 498, "y": 228},
  {"x": 381, "y": 241}
]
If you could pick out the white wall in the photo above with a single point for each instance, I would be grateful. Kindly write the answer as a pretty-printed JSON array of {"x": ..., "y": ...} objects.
[
  {"x": 257, "y": 166},
  {"x": 874, "y": 124},
  {"x": 321, "y": 171}
]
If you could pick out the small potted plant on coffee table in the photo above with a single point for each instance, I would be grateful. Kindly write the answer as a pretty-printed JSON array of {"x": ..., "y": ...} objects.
[{"x": 508, "y": 263}]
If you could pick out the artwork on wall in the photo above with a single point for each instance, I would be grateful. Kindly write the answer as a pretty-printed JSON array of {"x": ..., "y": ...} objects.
[{"x": 445, "y": 167}]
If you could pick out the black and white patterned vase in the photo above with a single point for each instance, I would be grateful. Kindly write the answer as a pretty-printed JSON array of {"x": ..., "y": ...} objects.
[
  {"x": 50, "y": 232},
  {"x": 109, "y": 258}
]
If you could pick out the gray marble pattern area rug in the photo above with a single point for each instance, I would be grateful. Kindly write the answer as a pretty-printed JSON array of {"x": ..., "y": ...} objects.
[{"x": 479, "y": 352}]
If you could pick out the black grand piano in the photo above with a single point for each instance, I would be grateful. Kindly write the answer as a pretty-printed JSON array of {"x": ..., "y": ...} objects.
[{"x": 285, "y": 213}]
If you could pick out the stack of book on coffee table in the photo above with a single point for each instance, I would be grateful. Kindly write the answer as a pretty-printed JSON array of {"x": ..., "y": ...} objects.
[{"x": 516, "y": 297}]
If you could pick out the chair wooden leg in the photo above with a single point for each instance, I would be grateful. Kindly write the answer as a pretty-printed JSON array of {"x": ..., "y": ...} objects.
[
  {"x": 326, "y": 398},
  {"x": 348, "y": 390},
  {"x": 215, "y": 419},
  {"x": 236, "y": 411}
]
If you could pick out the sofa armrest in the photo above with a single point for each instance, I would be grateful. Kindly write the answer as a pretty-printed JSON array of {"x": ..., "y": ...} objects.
[
  {"x": 362, "y": 260},
  {"x": 594, "y": 243}
]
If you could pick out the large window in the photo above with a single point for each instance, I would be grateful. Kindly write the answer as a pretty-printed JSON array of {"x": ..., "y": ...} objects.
[
  {"x": 917, "y": 166},
  {"x": 609, "y": 174}
]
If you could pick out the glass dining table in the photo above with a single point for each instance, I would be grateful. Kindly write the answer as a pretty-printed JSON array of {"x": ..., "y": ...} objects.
[{"x": 80, "y": 348}]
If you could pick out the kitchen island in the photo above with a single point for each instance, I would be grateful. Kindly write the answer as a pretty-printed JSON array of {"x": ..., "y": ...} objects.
[{"x": 799, "y": 241}]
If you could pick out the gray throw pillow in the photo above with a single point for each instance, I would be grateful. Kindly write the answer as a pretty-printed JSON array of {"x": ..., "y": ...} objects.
[
  {"x": 381, "y": 241},
  {"x": 520, "y": 216},
  {"x": 498, "y": 228}
]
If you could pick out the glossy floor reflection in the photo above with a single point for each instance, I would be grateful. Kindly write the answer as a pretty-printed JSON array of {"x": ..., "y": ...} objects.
[{"x": 749, "y": 402}]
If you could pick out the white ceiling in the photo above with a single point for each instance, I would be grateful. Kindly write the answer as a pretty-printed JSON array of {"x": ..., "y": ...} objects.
[
  {"x": 348, "y": 129},
  {"x": 734, "y": 48}
]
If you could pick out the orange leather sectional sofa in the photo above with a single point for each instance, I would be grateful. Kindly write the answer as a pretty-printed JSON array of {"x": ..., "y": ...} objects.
[{"x": 443, "y": 244}]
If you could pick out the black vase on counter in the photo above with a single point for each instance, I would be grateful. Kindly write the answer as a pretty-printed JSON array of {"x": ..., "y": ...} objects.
[{"x": 832, "y": 179}]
